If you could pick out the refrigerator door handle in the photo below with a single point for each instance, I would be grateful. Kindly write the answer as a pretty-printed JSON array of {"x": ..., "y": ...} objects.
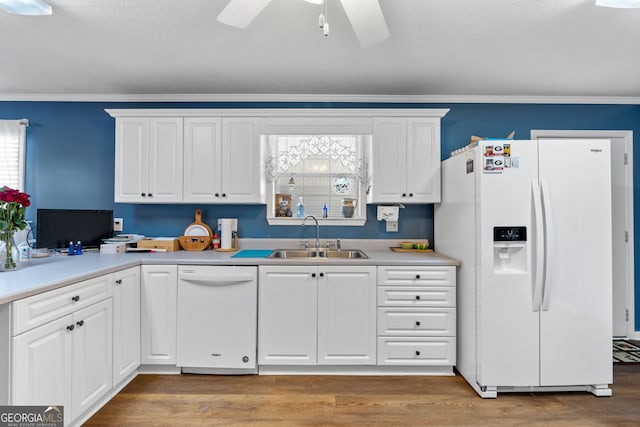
[
  {"x": 539, "y": 243},
  {"x": 548, "y": 255}
]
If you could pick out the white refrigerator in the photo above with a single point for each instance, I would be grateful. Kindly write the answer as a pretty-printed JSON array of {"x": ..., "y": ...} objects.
[{"x": 530, "y": 222}]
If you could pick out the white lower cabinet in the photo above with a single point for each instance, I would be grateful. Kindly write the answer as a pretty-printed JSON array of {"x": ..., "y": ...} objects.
[
  {"x": 126, "y": 323},
  {"x": 66, "y": 361},
  {"x": 92, "y": 356},
  {"x": 311, "y": 315},
  {"x": 416, "y": 316},
  {"x": 159, "y": 292}
]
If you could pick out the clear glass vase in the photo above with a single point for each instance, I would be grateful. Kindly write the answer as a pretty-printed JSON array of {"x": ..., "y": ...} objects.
[{"x": 9, "y": 252}]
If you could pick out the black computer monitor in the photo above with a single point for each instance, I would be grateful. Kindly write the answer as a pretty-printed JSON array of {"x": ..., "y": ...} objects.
[{"x": 55, "y": 228}]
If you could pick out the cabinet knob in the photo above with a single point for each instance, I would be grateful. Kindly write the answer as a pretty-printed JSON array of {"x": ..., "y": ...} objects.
[
  {"x": 404, "y": 194},
  {"x": 217, "y": 194},
  {"x": 143, "y": 194},
  {"x": 70, "y": 327},
  {"x": 410, "y": 194},
  {"x": 417, "y": 323},
  {"x": 224, "y": 194},
  {"x": 321, "y": 274},
  {"x": 313, "y": 274},
  {"x": 79, "y": 323},
  {"x": 417, "y": 276},
  {"x": 119, "y": 282},
  {"x": 75, "y": 298},
  {"x": 417, "y": 353},
  {"x": 150, "y": 195},
  {"x": 417, "y": 297}
]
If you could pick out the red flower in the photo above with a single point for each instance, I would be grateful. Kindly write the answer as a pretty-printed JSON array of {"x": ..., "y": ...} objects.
[{"x": 12, "y": 204}]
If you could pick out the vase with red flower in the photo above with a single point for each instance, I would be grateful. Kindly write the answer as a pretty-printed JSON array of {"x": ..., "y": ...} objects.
[{"x": 12, "y": 207}]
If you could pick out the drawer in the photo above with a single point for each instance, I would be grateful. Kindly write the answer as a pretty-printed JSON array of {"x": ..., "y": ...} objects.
[
  {"x": 407, "y": 321},
  {"x": 412, "y": 351},
  {"x": 417, "y": 276},
  {"x": 417, "y": 296},
  {"x": 39, "y": 309}
]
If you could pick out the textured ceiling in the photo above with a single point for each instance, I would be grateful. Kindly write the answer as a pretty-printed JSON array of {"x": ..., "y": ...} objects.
[{"x": 558, "y": 48}]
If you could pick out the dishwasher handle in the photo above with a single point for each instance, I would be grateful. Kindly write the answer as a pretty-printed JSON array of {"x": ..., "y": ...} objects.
[{"x": 223, "y": 279}]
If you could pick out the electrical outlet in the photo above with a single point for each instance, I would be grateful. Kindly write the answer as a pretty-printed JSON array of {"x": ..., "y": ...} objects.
[
  {"x": 118, "y": 224},
  {"x": 392, "y": 226}
]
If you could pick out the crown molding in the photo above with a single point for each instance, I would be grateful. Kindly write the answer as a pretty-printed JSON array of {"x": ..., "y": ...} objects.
[{"x": 332, "y": 98}]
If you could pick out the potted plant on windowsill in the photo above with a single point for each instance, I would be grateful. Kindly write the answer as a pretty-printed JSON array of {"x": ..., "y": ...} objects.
[{"x": 12, "y": 207}]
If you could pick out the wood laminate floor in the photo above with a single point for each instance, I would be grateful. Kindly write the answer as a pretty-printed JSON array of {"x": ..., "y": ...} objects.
[{"x": 192, "y": 400}]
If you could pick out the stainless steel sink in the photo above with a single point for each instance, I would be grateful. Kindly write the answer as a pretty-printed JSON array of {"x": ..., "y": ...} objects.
[{"x": 321, "y": 253}]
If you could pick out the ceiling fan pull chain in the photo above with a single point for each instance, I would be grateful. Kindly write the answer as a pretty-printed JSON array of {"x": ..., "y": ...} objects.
[{"x": 324, "y": 18}]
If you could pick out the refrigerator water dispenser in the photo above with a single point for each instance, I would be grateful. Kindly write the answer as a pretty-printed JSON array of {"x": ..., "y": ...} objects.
[{"x": 509, "y": 250}]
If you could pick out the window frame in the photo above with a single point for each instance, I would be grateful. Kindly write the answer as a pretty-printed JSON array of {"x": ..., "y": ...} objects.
[
  {"x": 22, "y": 143},
  {"x": 271, "y": 192}
]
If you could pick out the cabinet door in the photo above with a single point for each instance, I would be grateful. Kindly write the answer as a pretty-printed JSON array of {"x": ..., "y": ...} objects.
[
  {"x": 241, "y": 164},
  {"x": 423, "y": 160},
  {"x": 389, "y": 153},
  {"x": 126, "y": 323},
  {"x": 159, "y": 290},
  {"x": 287, "y": 315},
  {"x": 347, "y": 315},
  {"x": 165, "y": 160},
  {"x": 92, "y": 355},
  {"x": 202, "y": 153},
  {"x": 42, "y": 360},
  {"x": 132, "y": 159}
]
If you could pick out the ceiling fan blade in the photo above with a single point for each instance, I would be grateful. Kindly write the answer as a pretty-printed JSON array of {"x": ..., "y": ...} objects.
[
  {"x": 26, "y": 7},
  {"x": 367, "y": 21},
  {"x": 628, "y": 4},
  {"x": 240, "y": 13}
]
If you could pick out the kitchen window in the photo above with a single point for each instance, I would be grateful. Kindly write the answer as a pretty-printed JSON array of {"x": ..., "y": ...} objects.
[
  {"x": 327, "y": 173},
  {"x": 12, "y": 147}
]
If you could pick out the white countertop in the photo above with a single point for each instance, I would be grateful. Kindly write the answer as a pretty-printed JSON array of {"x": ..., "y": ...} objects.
[{"x": 43, "y": 274}]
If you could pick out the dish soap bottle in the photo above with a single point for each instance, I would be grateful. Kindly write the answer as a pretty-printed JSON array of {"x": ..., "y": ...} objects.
[
  {"x": 325, "y": 211},
  {"x": 300, "y": 213}
]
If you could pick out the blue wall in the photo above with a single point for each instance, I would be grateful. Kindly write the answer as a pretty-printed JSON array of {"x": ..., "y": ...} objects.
[{"x": 70, "y": 161}]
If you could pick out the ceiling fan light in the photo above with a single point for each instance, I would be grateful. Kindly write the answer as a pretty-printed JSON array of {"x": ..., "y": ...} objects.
[
  {"x": 26, "y": 7},
  {"x": 626, "y": 4}
]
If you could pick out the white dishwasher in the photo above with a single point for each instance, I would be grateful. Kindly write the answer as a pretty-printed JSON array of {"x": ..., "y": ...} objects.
[{"x": 217, "y": 319}]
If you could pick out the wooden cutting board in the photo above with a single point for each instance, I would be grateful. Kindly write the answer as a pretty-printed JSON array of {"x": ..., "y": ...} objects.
[{"x": 399, "y": 249}]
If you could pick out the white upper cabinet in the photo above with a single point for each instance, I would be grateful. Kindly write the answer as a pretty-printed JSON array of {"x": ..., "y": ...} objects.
[
  {"x": 148, "y": 164},
  {"x": 215, "y": 155},
  {"x": 222, "y": 160},
  {"x": 202, "y": 154},
  {"x": 405, "y": 160},
  {"x": 241, "y": 171}
]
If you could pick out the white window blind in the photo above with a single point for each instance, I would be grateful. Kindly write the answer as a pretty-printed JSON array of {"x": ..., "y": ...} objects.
[{"x": 12, "y": 147}]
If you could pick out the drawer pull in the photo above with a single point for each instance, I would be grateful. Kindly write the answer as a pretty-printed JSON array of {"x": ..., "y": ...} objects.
[
  {"x": 417, "y": 353},
  {"x": 70, "y": 327},
  {"x": 417, "y": 323},
  {"x": 417, "y": 297},
  {"x": 417, "y": 276},
  {"x": 75, "y": 298},
  {"x": 119, "y": 282},
  {"x": 80, "y": 323}
]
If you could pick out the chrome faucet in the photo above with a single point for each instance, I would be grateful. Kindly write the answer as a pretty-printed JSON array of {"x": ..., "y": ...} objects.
[{"x": 317, "y": 230}]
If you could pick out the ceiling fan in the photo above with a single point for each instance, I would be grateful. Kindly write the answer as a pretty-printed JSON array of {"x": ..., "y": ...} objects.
[
  {"x": 26, "y": 7},
  {"x": 365, "y": 16}
]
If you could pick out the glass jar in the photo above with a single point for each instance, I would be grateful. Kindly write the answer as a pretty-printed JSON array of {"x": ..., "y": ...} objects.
[{"x": 9, "y": 252}]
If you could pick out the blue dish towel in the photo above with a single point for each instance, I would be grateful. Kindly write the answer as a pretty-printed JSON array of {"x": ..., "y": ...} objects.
[{"x": 252, "y": 253}]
